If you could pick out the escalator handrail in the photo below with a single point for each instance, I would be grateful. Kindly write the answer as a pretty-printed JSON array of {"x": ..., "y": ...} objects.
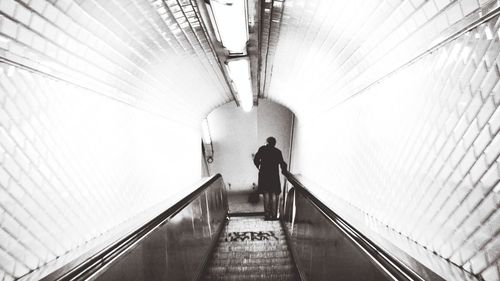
[
  {"x": 382, "y": 257},
  {"x": 106, "y": 255}
]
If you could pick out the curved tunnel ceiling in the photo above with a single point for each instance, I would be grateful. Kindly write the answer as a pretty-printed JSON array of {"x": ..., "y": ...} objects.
[
  {"x": 329, "y": 51},
  {"x": 158, "y": 55},
  {"x": 151, "y": 54}
]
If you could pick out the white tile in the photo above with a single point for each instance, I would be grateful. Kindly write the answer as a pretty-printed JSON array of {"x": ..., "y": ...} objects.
[
  {"x": 38, "y": 5},
  {"x": 478, "y": 169},
  {"x": 471, "y": 133},
  {"x": 490, "y": 81},
  {"x": 491, "y": 273},
  {"x": 486, "y": 111},
  {"x": 8, "y": 27},
  {"x": 37, "y": 23},
  {"x": 454, "y": 14},
  {"x": 22, "y": 14},
  {"x": 493, "y": 150},
  {"x": 8, "y": 7},
  {"x": 468, "y": 6},
  {"x": 494, "y": 121},
  {"x": 474, "y": 107}
]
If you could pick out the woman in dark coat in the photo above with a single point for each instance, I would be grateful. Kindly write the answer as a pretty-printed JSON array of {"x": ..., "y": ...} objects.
[{"x": 267, "y": 160}]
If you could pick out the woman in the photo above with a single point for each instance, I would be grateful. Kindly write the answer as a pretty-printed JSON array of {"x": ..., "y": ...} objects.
[{"x": 267, "y": 160}]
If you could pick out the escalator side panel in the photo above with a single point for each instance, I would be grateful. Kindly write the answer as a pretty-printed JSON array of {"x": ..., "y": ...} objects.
[
  {"x": 323, "y": 252},
  {"x": 176, "y": 249}
]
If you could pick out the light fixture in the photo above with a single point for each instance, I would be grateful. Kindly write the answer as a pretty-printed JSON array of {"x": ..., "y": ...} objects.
[
  {"x": 239, "y": 71},
  {"x": 208, "y": 148},
  {"x": 230, "y": 21},
  {"x": 205, "y": 130}
]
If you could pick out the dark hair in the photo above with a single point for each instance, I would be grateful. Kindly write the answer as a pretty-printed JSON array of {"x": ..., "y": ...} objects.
[{"x": 271, "y": 141}]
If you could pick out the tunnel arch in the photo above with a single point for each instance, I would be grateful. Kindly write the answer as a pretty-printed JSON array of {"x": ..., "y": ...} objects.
[{"x": 236, "y": 135}]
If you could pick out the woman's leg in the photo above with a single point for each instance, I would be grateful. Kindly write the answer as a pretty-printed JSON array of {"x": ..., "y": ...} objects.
[
  {"x": 267, "y": 199},
  {"x": 274, "y": 204}
]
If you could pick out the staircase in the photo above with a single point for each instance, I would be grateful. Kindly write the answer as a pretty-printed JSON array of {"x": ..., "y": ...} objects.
[{"x": 251, "y": 248}]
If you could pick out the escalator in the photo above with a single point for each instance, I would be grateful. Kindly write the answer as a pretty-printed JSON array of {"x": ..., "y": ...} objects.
[
  {"x": 251, "y": 249},
  {"x": 196, "y": 239}
]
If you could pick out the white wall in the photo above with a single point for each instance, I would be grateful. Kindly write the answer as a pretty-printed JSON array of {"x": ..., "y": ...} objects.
[
  {"x": 274, "y": 120},
  {"x": 419, "y": 152},
  {"x": 75, "y": 160},
  {"x": 237, "y": 135},
  {"x": 75, "y": 165}
]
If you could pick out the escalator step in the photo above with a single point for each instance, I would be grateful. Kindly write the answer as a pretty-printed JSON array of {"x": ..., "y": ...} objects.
[
  {"x": 253, "y": 246},
  {"x": 249, "y": 269},
  {"x": 245, "y": 261},
  {"x": 260, "y": 226},
  {"x": 244, "y": 249},
  {"x": 250, "y": 248},
  {"x": 265, "y": 236},
  {"x": 254, "y": 277},
  {"x": 251, "y": 255}
]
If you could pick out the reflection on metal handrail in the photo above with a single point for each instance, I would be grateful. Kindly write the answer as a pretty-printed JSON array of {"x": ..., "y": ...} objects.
[
  {"x": 101, "y": 259},
  {"x": 393, "y": 267}
]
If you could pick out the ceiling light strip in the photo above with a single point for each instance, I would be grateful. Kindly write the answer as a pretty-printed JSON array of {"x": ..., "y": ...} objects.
[
  {"x": 231, "y": 21},
  {"x": 239, "y": 71},
  {"x": 214, "y": 60}
]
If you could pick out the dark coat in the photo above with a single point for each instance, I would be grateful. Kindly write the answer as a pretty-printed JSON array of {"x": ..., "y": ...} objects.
[{"x": 267, "y": 160}]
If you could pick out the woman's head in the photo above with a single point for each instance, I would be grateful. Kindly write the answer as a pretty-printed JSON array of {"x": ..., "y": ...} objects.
[{"x": 271, "y": 141}]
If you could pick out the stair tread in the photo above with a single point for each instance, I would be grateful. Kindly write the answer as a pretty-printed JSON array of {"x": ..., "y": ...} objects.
[
  {"x": 259, "y": 242},
  {"x": 244, "y": 249},
  {"x": 273, "y": 254},
  {"x": 253, "y": 277},
  {"x": 260, "y": 268},
  {"x": 248, "y": 261},
  {"x": 251, "y": 249}
]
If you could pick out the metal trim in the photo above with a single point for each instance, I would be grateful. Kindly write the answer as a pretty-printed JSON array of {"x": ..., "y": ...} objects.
[
  {"x": 301, "y": 273},
  {"x": 210, "y": 251}
]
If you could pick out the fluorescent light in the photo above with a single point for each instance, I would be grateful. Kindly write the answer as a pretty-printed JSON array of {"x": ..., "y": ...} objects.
[
  {"x": 239, "y": 71},
  {"x": 205, "y": 130},
  {"x": 212, "y": 19},
  {"x": 230, "y": 21}
]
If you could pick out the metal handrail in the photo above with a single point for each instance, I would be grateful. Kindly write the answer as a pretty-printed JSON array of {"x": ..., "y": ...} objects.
[
  {"x": 105, "y": 256},
  {"x": 388, "y": 262}
]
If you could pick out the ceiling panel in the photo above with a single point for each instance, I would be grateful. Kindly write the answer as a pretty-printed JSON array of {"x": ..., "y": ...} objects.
[
  {"x": 330, "y": 50},
  {"x": 152, "y": 54}
]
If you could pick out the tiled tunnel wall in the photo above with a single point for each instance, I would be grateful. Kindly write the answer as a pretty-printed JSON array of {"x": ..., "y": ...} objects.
[
  {"x": 99, "y": 118},
  {"x": 419, "y": 151},
  {"x": 425, "y": 139},
  {"x": 75, "y": 164}
]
